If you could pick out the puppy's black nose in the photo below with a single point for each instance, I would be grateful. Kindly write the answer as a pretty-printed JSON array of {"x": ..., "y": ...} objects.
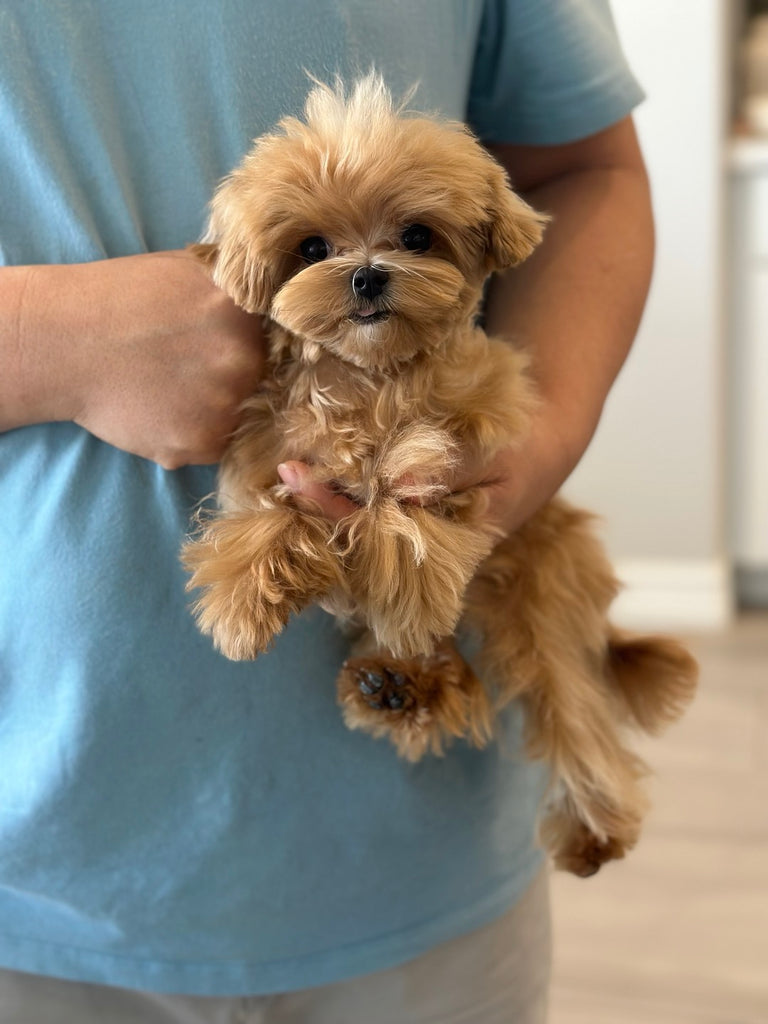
[{"x": 368, "y": 282}]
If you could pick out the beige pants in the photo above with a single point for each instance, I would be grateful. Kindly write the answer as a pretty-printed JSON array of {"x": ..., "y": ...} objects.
[{"x": 498, "y": 974}]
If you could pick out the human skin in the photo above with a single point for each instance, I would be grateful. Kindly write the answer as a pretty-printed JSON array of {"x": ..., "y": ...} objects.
[
  {"x": 147, "y": 354},
  {"x": 143, "y": 351}
]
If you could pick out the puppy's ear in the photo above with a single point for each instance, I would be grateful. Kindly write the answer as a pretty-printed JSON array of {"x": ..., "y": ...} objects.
[
  {"x": 230, "y": 249},
  {"x": 515, "y": 228},
  {"x": 238, "y": 271}
]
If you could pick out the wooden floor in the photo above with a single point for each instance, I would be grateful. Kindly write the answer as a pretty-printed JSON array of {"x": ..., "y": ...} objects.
[{"x": 678, "y": 932}]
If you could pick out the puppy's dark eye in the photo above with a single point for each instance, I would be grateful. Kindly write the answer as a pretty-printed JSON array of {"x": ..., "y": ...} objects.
[
  {"x": 417, "y": 238},
  {"x": 314, "y": 249}
]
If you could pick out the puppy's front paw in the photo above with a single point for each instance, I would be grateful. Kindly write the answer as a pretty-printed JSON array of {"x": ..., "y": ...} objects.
[
  {"x": 419, "y": 704},
  {"x": 256, "y": 568},
  {"x": 241, "y": 630}
]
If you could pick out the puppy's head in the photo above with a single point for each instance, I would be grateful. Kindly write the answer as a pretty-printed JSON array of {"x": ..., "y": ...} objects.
[{"x": 365, "y": 231}]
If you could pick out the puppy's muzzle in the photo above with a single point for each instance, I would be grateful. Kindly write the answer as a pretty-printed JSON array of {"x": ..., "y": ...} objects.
[{"x": 369, "y": 282}]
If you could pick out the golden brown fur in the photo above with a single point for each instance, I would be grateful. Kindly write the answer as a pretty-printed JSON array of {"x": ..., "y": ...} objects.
[{"x": 380, "y": 385}]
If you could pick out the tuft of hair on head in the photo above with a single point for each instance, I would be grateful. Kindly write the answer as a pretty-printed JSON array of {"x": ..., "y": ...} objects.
[{"x": 362, "y": 108}]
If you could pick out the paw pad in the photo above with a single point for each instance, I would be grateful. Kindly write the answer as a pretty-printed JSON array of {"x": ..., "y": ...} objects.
[{"x": 383, "y": 689}]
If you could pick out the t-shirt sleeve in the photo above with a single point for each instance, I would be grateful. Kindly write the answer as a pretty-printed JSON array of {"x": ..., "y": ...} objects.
[{"x": 548, "y": 72}]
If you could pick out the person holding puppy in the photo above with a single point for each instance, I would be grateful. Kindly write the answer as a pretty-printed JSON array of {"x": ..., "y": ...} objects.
[{"x": 182, "y": 837}]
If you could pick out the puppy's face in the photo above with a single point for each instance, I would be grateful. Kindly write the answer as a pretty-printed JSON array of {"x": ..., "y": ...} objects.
[{"x": 364, "y": 232}]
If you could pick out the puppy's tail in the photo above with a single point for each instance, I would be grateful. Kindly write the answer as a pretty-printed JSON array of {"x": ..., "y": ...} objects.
[{"x": 654, "y": 677}]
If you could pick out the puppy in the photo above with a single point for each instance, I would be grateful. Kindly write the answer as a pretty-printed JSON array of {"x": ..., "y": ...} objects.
[{"x": 365, "y": 235}]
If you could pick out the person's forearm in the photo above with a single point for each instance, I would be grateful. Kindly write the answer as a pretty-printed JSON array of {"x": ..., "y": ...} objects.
[
  {"x": 576, "y": 303},
  {"x": 143, "y": 351},
  {"x": 29, "y": 392}
]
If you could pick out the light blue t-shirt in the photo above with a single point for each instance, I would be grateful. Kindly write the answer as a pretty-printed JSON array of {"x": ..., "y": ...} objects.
[{"x": 168, "y": 819}]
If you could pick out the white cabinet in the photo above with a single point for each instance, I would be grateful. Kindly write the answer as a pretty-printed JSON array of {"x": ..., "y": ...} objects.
[{"x": 747, "y": 360}]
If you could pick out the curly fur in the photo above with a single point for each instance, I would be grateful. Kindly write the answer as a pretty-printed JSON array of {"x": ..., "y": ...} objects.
[{"x": 381, "y": 393}]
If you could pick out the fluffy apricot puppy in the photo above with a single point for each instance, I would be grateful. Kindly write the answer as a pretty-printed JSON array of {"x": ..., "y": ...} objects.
[{"x": 365, "y": 235}]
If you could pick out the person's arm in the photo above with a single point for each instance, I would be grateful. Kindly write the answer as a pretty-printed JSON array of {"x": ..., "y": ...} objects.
[
  {"x": 143, "y": 351},
  {"x": 575, "y": 305}
]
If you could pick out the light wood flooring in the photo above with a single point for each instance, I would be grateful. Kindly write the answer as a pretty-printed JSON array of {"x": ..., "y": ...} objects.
[{"x": 678, "y": 932}]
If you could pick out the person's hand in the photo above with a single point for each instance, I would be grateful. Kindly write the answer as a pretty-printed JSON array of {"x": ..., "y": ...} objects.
[
  {"x": 169, "y": 378},
  {"x": 313, "y": 495},
  {"x": 522, "y": 478},
  {"x": 519, "y": 479},
  {"x": 150, "y": 355}
]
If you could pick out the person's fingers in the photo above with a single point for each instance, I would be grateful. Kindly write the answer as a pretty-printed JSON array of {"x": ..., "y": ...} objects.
[
  {"x": 474, "y": 474},
  {"x": 298, "y": 476}
]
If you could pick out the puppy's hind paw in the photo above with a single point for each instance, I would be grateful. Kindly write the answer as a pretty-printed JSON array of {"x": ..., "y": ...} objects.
[
  {"x": 575, "y": 847},
  {"x": 420, "y": 704},
  {"x": 382, "y": 688},
  {"x": 585, "y": 857}
]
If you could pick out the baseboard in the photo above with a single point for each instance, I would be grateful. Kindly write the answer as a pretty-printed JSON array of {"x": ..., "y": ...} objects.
[{"x": 674, "y": 595}]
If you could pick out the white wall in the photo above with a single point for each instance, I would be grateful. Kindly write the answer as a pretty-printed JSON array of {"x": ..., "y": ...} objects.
[{"x": 655, "y": 468}]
